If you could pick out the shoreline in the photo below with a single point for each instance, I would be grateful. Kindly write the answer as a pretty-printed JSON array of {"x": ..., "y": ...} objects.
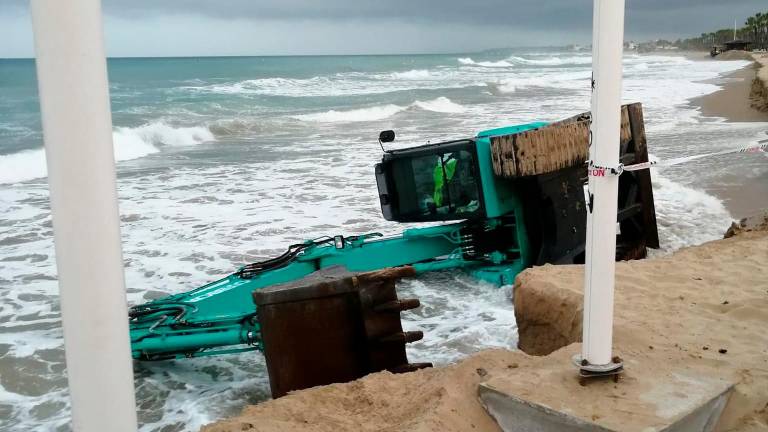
[
  {"x": 733, "y": 102},
  {"x": 743, "y": 98},
  {"x": 759, "y": 94}
]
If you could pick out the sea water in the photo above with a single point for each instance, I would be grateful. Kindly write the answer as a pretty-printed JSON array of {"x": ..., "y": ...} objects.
[{"x": 224, "y": 161}]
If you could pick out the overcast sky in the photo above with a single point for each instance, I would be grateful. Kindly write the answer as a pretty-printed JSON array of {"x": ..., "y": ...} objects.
[{"x": 273, "y": 27}]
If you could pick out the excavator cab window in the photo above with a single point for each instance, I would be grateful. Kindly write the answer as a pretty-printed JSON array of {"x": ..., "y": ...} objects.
[{"x": 431, "y": 183}]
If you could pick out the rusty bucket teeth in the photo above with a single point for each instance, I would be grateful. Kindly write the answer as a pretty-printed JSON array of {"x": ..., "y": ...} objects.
[
  {"x": 403, "y": 337},
  {"x": 397, "y": 305}
]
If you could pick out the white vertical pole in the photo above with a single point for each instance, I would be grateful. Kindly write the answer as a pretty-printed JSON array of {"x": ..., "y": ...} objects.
[
  {"x": 77, "y": 126},
  {"x": 607, "y": 48}
]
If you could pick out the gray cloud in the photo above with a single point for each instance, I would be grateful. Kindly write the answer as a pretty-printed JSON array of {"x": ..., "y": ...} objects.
[
  {"x": 368, "y": 25},
  {"x": 687, "y": 15}
]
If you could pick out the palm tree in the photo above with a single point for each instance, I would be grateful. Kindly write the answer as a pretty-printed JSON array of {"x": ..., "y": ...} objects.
[
  {"x": 762, "y": 19},
  {"x": 752, "y": 28}
]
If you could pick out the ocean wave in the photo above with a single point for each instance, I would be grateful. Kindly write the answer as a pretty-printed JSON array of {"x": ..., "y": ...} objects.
[
  {"x": 356, "y": 115},
  {"x": 129, "y": 143},
  {"x": 269, "y": 86},
  {"x": 467, "y": 61},
  {"x": 160, "y": 133},
  {"x": 7, "y": 130},
  {"x": 511, "y": 85},
  {"x": 685, "y": 215},
  {"x": 21, "y": 166},
  {"x": 341, "y": 84},
  {"x": 441, "y": 104},
  {"x": 346, "y": 84},
  {"x": 353, "y": 83},
  {"x": 414, "y": 74},
  {"x": 553, "y": 61}
]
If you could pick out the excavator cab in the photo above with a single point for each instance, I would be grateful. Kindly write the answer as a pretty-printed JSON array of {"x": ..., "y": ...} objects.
[{"x": 436, "y": 182}]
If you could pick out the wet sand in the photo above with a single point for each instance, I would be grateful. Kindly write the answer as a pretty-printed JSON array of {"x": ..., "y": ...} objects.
[
  {"x": 737, "y": 101},
  {"x": 733, "y": 101}
]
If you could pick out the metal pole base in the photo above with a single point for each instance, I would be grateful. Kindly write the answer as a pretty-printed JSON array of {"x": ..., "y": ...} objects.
[{"x": 587, "y": 370}]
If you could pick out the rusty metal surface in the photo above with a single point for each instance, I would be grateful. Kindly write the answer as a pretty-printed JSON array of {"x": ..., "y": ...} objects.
[{"x": 334, "y": 326}]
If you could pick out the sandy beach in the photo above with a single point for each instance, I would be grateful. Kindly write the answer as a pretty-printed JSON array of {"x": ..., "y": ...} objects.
[
  {"x": 733, "y": 102},
  {"x": 666, "y": 309},
  {"x": 743, "y": 98},
  {"x": 759, "y": 93}
]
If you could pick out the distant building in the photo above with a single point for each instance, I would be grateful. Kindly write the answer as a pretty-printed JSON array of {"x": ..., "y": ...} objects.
[{"x": 738, "y": 44}]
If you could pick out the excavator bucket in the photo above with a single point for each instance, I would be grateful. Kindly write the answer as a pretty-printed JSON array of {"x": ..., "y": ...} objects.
[{"x": 334, "y": 326}]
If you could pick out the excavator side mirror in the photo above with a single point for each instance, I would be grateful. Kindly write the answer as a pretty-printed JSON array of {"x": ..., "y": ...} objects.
[{"x": 387, "y": 136}]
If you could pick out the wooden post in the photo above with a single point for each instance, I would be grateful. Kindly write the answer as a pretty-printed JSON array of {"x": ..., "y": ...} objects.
[{"x": 640, "y": 150}]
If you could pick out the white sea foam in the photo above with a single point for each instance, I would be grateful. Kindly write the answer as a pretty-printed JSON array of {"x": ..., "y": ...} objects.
[
  {"x": 552, "y": 61},
  {"x": 356, "y": 115},
  {"x": 21, "y": 166},
  {"x": 488, "y": 64},
  {"x": 686, "y": 216},
  {"x": 511, "y": 85},
  {"x": 160, "y": 133},
  {"x": 559, "y": 80},
  {"x": 414, "y": 74},
  {"x": 129, "y": 143},
  {"x": 340, "y": 84},
  {"x": 440, "y": 104}
]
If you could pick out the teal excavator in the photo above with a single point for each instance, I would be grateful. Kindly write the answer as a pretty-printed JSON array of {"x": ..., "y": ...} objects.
[{"x": 494, "y": 226}]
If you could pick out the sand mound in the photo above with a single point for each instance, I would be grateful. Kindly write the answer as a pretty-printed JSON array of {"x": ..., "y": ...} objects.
[
  {"x": 701, "y": 312},
  {"x": 759, "y": 93},
  {"x": 703, "y": 309},
  {"x": 755, "y": 223},
  {"x": 734, "y": 55},
  {"x": 439, "y": 399}
]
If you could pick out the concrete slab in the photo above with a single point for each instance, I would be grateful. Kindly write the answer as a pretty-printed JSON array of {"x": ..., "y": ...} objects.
[{"x": 687, "y": 404}]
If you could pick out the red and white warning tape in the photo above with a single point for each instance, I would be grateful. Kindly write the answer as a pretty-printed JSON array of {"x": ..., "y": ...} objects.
[
  {"x": 600, "y": 171},
  {"x": 761, "y": 147}
]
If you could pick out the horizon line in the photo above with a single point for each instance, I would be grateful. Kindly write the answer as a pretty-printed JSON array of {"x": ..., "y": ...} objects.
[{"x": 316, "y": 55}]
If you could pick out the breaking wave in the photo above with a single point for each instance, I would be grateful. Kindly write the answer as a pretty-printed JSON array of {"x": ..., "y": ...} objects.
[
  {"x": 160, "y": 133},
  {"x": 129, "y": 143},
  {"x": 440, "y": 104},
  {"x": 356, "y": 115},
  {"x": 467, "y": 61},
  {"x": 415, "y": 74},
  {"x": 553, "y": 61},
  {"x": 340, "y": 84},
  {"x": 685, "y": 215}
]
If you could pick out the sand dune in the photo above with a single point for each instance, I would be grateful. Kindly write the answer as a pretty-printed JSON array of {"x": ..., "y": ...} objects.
[{"x": 759, "y": 91}]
